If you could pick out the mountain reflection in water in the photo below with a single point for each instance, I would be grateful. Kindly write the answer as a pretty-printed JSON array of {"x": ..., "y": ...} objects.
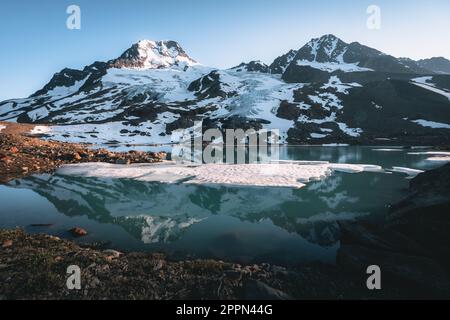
[
  {"x": 163, "y": 216},
  {"x": 240, "y": 224}
]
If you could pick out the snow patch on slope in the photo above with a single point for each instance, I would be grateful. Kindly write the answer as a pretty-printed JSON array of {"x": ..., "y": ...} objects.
[
  {"x": 432, "y": 124},
  {"x": 336, "y": 83},
  {"x": 168, "y": 85},
  {"x": 258, "y": 96},
  {"x": 333, "y": 66},
  {"x": 439, "y": 159},
  {"x": 115, "y": 132},
  {"x": 331, "y": 102},
  {"x": 424, "y": 83}
]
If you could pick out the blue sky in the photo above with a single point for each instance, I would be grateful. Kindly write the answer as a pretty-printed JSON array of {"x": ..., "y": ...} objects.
[{"x": 35, "y": 42}]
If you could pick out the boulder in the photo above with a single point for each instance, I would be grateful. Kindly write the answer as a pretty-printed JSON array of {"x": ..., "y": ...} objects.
[
  {"x": 257, "y": 290},
  {"x": 78, "y": 232}
]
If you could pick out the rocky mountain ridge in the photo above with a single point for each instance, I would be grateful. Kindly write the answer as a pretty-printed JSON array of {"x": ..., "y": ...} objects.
[{"x": 328, "y": 91}]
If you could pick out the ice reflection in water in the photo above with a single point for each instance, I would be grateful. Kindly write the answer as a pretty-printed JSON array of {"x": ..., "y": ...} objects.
[{"x": 246, "y": 224}]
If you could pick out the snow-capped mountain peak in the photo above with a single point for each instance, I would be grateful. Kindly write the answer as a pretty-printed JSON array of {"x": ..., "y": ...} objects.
[
  {"x": 328, "y": 91},
  {"x": 327, "y": 48},
  {"x": 148, "y": 54}
]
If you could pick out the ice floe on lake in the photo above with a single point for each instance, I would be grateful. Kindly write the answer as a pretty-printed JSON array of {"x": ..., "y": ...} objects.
[
  {"x": 293, "y": 175},
  {"x": 439, "y": 159},
  {"x": 335, "y": 145},
  {"x": 410, "y": 172},
  {"x": 355, "y": 168},
  {"x": 434, "y": 153},
  {"x": 435, "y": 156},
  {"x": 388, "y": 150}
]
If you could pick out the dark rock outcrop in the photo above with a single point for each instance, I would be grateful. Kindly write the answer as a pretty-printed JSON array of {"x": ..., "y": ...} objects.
[
  {"x": 411, "y": 245},
  {"x": 252, "y": 66},
  {"x": 210, "y": 86},
  {"x": 280, "y": 64}
]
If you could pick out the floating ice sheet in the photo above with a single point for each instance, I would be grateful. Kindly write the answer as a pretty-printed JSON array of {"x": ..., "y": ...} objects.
[
  {"x": 284, "y": 174},
  {"x": 433, "y": 153},
  {"x": 439, "y": 159},
  {"x": 388, "y": 150},
  {"x": 410, "y": 172}
]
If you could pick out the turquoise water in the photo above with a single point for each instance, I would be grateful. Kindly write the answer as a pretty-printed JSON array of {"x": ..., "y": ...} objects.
[{"x": 241, "y": 224}]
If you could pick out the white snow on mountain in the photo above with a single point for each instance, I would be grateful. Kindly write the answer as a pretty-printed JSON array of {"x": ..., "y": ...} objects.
[
  {"x": 432, "y": 124},
  {"x": 333, "y": 66},
  {"x": 38, "y": 113},
  {"x": 331, "y": 102},
  {"x": 336, "y": 83},
  {"x": 352, "y": 132},
  {"x": 257, "y": 96},
  {"x": 329, "y": 44},
  {"x": 147, "y": 54},
  {"x": 318, "y": 135},
  {"x": 289, "y": 58},
  {"x": 167, "y": 85},
  {"x": 334, "y": 50},
  {"x": 62, "y": 91},
  {"x": 111, "y": 132},
  {"x": 424, "y": 82},
  {"x": 154, "y": 88}
]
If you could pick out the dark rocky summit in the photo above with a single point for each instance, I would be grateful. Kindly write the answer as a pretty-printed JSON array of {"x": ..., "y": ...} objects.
[
  {"x": 210, "y": 86},
  {"x": 280, "y": 64},
  {"x": 252, "y": 66},
  {"x": 69, "y": 77}
]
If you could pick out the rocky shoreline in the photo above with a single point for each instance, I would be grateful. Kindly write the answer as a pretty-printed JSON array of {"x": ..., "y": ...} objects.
[
  {"x": 34, "y": 267},
  {"x": 22, "y": 155}
]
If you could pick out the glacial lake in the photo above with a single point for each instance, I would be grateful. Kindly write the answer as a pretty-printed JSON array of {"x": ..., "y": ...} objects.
[{"x": 233, "y": 223}]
